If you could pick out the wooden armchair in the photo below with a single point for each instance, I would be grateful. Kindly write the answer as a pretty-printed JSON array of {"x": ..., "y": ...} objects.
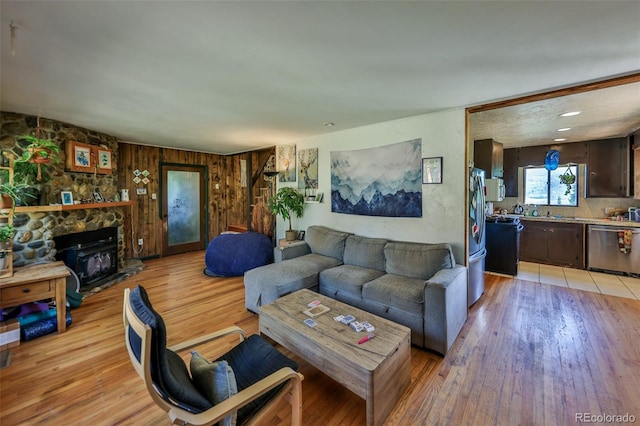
[{"x": 264, "y": 376}]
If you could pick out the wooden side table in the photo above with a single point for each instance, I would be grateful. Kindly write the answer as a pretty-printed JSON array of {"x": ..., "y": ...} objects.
[{"x": 37, "y": 282}]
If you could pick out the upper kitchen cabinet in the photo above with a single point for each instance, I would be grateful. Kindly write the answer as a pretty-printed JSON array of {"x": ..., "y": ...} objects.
[
  {"x": 510, "y": 159},
  {"x": 487, "y": 155},
  {"x": 532, "y": 155},
  {"x": 576, "y": 152},
  {"x": 608, "y": 167}
]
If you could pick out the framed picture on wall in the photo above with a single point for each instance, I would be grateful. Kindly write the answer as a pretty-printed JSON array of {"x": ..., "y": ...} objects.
[
  {"x": 432, "y": 170},
  {"x": 104, "y": 161},
  {"x": 80, "y": 157},
  {"x": 67, "y": 198}
]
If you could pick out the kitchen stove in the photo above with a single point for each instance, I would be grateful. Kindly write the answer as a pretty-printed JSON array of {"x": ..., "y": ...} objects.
[{"x": 504, "y": 218}]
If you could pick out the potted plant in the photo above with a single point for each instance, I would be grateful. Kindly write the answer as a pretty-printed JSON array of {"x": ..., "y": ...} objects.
[
  {"x": 39, "y": 151},
  {"x": 568, "y": 178},
  {"x": 287, "y": 202},
  {"x": 6, "y": 233},
  {"x": 26, "y": 173},
  {"x": 13, "y": 194}
]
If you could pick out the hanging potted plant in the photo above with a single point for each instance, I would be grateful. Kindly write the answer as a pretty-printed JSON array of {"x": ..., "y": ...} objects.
[
  {"x": 568, "y": 178},
  {"x": 287, "y": 202},
  {"x": 39, "y": 151}
]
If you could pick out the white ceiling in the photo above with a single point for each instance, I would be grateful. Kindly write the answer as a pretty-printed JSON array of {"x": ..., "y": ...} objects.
[{"x": 233, "y": 76}]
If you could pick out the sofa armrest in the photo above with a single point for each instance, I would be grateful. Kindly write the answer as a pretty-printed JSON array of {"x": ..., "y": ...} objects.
[
  {"x": 444, "y": 277},
  {"x": 294, "y": 250},
  {"x": 445, "y": 307}
]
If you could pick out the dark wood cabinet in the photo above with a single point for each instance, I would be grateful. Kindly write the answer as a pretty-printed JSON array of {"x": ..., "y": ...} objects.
[
  {"x": 552, "y": 243},
  {"x": 533, "y": 242},
  {"x": 488, "y": 156},
  {"x": 608, "y": 168},
  {"x": 575, "y": 152},
  {"x": 532, "y": 155},
  {"x": 510, "y": 164}
]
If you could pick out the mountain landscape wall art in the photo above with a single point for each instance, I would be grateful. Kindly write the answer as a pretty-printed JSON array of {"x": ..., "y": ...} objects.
[{"x": 382, "y": 181}]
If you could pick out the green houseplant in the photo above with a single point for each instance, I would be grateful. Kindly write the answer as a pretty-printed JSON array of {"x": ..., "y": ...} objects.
[
  {"x": 286, "y": 203},
  {"x": 6, "y": 233},
  {"x": 13, "y": 194},
  {"x": 568, "y": 178},
  {"x": 39, "y": 150}
]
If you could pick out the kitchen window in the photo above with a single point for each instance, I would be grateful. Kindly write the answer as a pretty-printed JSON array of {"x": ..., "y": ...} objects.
[{"x": 544, "y": 187}]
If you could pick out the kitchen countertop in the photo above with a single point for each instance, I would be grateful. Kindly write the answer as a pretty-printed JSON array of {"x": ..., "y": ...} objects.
[{"x": 584, "y": 220}]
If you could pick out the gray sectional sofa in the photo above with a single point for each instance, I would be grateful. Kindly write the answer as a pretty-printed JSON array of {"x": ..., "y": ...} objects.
[{"x": 418, "y": 285}]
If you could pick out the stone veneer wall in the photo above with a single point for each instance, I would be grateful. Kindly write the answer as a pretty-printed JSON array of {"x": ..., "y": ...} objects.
[{"x": 33, "y": 240}]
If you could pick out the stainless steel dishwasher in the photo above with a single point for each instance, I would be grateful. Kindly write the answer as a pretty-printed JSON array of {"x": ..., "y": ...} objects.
[{"x": 604, "y": 251}]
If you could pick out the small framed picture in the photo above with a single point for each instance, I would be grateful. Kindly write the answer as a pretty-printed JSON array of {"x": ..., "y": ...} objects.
[
  {"x": 67, "y": 198},
  {"x": 301, "y": 235},
  {"x": 104, "y": 159},
  {"x": 432, "y": 170},
  {"x": 319, "y": 196},
  {"x": 82, "y": 156}
]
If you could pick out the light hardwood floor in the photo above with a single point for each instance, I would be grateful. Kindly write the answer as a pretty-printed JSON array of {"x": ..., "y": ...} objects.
[{"x": 530, "y": 354}]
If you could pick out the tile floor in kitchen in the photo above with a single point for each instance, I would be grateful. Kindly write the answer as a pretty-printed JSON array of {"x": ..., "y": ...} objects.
[{"x": 598, "y": 282}]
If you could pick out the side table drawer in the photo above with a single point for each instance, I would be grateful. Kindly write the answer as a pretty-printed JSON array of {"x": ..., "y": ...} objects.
[{"x": 24, "y": 293}]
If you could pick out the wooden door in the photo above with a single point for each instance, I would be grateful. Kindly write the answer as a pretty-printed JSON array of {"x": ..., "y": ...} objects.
[{"x": 184, "y": 208}]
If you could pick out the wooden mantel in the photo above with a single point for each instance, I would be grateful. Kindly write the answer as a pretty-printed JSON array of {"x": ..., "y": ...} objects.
[{"x": 60, "y": 207}]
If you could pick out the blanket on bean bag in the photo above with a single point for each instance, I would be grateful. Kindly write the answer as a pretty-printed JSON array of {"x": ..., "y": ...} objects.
[{"x": 232, "y": 254}]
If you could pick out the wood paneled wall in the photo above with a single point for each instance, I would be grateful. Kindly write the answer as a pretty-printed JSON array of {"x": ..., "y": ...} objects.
[{"x": 229, "y": 204}]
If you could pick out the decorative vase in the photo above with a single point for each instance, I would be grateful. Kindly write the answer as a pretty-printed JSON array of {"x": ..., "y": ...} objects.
[{"x": 290, "y": 235}]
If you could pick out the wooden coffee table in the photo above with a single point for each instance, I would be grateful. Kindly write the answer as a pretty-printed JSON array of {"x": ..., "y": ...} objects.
[{"x": 378, "y": 370}]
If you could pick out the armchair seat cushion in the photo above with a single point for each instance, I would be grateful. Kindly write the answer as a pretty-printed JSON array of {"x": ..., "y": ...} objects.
[{"x": 251, "y": 361}]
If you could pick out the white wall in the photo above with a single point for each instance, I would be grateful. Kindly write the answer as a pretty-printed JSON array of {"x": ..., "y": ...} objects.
[{"x": 443, "y": 206}]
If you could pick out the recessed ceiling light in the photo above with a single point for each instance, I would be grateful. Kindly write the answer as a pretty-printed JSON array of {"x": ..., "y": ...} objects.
[
  {"x": 328, "y": 124},
  {"x": 564, "y": 129},
  {"x": 570, "y": 113},
  {"x": 560, "y": 139}
]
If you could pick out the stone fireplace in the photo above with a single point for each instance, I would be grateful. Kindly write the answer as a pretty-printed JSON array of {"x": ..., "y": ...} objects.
[
  {"x": 92, "y": 255},
  {"x": 37, "y": 230}
]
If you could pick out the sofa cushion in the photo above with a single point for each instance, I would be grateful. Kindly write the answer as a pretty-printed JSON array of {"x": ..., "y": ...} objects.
[
  {"x": 347, "y": 278},
  {"x": 416, "y": 260},
  {"x": 365, "y": 252},
  {"x": 400, "y": 292},
  {"x": 326, "y": 241}
]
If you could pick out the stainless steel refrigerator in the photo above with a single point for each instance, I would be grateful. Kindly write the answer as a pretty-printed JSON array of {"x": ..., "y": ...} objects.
[{"x": 476, "y": 235}]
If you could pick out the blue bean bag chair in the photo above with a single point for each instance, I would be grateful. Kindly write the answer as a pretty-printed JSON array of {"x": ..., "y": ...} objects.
[{"x": 232, "y": 254}]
